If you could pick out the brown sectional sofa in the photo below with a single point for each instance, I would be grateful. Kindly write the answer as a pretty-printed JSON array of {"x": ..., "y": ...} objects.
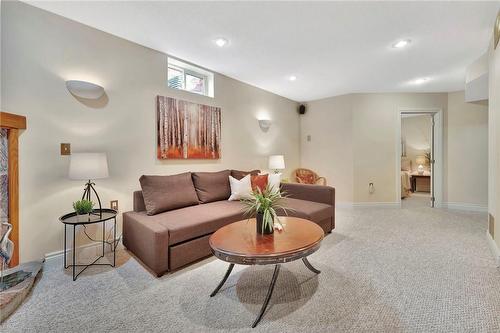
[{"x": 171, "y": 239}]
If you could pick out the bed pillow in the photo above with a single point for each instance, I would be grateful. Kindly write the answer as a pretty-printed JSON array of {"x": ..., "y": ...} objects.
[
  {"x": 164, "y": 193},
  {"x": 212, "y": 186},
  {"x": 240, "y": 189}
]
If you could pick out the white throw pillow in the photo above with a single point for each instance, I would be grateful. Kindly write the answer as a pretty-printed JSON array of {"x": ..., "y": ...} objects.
[
  {"x": 240, "y": 189},
  {"x": 274, "y": 181}
]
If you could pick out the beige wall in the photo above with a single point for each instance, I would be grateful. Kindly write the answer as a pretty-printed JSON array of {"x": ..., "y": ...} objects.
[
  {"x": 41, "y": 50},
  {"x": 329, "y": 152},
  {"x": 416, "y": 133},
  {"x": 360, "y": 130},
  {"x": 356, "y": 136},
  {"x": 375, "y": 135},
  {"x": 466, "y": 151},
  {"x": 494, "y": 119}
]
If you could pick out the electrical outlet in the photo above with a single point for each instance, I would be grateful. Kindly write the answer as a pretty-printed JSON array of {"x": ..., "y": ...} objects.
[
  {"x": 65, "y": 149},
  {"x": 114, "y": 204},
  {"x": 371, "y": 188}
]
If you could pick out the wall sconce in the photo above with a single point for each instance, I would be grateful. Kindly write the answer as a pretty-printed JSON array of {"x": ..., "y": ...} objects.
[
  {"x": 264, "y": 124},
  {"x": 84, "y": 89}
]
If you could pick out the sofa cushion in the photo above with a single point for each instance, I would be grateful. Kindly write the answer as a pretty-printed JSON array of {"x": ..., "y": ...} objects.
[
  {"x": 164, "y": 193},
  {"x": 192, "y": 222},
  {"x": 212, "y": 186},
  {"x": 240, "y": 174},
  {"x": 309, "y": 210}
]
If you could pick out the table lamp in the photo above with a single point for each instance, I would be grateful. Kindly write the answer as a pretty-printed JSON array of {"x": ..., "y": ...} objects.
[
  {"x": 276, "y": 163},
  {"x": 420, "y": 160},
  {"x": 89, "y": 166}
]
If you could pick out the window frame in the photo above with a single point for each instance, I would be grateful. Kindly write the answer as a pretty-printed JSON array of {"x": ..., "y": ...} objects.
[
  {"x": 179, "y": 69},
  {"x": 187, "y": 69}
]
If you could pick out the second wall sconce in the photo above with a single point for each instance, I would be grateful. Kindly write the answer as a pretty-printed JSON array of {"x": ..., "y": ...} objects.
[
  {"x": 264, "y": 124},
  {"x": 84, "y": 89}
]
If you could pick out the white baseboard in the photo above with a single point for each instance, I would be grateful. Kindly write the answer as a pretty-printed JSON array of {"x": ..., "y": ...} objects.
[
  {"x": 494, "y": 248},
  {"x": 376, "y": 205},
  {"x": 58, "y": 255},
  {"x": 447, "y": 205},
  {"x": 351, "y": 205},
  {"x": 464, "y": 206},
  {"x": 343, "y": 204}
]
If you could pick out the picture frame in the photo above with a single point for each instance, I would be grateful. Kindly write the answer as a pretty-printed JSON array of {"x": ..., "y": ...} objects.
[{"x": 187, "y": 130}]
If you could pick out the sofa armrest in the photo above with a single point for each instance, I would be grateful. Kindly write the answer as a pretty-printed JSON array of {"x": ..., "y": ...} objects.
[
  {"x": 139, "y": 205},
  {"x": 147, "y": 239},
  {"x": 315, "y": 193}
]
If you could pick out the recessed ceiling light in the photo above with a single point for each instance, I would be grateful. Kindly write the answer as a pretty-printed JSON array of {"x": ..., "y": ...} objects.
[
  {"x": 221, "y": 42},
  {"x": 402, "y": 43},
  {"x": 292, "y": 78},
  {"x": 421, "y": 80}
]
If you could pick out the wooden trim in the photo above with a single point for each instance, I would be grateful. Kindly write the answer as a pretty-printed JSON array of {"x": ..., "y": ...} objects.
[
  {"x": 9, "y": 120},
  {"x": 13, "y": 123},
  {"x": 13, "y": 137}
]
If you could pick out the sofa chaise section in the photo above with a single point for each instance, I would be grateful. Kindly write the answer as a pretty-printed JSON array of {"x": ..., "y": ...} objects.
[{"x": 312, "y": 202}]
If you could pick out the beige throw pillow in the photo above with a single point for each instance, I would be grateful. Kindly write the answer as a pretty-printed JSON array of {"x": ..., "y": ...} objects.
[{"x": 240, "y": 189}]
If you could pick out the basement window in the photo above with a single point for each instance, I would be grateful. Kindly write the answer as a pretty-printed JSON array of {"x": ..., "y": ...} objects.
[{"x": 190, "y": 78}]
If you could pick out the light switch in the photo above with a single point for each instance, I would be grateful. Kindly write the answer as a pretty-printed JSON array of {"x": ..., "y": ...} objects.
[
  {"x": 309, "y": 138},
  {"x": 65, "y": 149}
]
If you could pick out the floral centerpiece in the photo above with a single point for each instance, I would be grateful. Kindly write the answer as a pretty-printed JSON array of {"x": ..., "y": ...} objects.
[{"x": 264, "y": 205}]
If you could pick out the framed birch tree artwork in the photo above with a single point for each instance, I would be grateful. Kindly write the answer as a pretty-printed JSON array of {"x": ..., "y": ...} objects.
[{"x": 187, "y": 130}]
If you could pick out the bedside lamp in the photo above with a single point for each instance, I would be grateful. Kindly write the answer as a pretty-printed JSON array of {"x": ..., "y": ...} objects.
[
  {"x": 276, "y": 163},
  {"x": 89, "y": 166},
  {"x": 421, "y": 161}
]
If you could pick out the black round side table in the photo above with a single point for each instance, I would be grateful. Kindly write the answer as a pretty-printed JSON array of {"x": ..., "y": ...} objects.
[{"x": 97, "y": 216}]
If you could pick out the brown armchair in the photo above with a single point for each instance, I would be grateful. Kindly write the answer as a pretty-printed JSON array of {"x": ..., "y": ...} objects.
[{"x": 306, "y": 176}]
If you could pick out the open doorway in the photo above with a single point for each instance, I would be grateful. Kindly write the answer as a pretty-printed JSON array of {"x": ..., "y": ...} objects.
[{"x": 419, "y": 165}]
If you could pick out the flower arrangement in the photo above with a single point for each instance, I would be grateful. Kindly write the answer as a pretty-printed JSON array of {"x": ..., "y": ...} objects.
[{"x": 264, "y": 204}]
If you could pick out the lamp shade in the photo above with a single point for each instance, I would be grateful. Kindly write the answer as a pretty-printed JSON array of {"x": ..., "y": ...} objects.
[
  {"x": 276, "y": 162},
  {"x": 88, "y": 166}
]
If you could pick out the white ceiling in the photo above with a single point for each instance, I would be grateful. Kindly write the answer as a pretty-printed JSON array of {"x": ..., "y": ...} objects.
[{"x": 332, "y": 47}]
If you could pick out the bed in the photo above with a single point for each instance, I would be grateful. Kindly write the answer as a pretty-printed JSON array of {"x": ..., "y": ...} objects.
[{"x": 405, "y": 177}]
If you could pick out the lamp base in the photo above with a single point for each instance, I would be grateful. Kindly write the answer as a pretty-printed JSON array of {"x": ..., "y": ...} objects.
[{"x": 89, "y": 186}]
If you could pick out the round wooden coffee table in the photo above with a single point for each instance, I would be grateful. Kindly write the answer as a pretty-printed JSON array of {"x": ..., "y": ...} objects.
[{"x": 239, "y": 243}]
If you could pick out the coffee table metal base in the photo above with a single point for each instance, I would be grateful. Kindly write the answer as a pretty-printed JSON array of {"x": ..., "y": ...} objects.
[{"x": 271, "y": 286}]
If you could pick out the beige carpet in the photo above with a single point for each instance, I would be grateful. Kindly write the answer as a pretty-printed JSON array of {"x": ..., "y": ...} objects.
[
  {"x": 416, "y": 200},
  {"x": 383, "y": 270}
]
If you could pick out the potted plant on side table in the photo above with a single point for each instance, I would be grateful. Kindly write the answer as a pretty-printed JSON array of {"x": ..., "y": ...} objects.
[
  {"x": 83, "y": 207},
  {"x": 263, "y": 205}
]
